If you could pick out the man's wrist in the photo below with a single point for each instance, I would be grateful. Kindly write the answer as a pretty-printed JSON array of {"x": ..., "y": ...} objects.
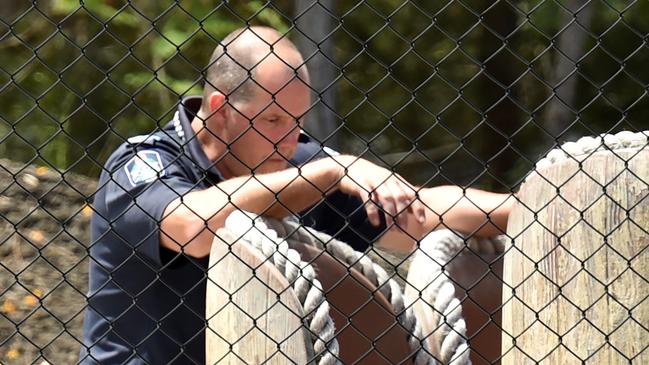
[
  {"x": 339, "y": 166},
  {"x": 336, "y": 171}
]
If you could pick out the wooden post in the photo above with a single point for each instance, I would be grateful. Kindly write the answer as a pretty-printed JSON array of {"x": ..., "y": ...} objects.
[
  {"x": 576, "y": 288},
  {"x": 253, "y": 316}
]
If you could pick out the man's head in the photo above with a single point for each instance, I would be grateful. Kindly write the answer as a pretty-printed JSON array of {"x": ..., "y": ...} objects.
[{"x": 255, "y": 96}]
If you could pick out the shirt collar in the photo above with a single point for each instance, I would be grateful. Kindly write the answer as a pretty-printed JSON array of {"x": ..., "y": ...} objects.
[{"x": 187, "y": 110}]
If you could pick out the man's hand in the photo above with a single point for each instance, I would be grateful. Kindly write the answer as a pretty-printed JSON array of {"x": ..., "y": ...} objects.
[
  {"x": 379, "y": 187},
  {"x": 470, "y": 211}
]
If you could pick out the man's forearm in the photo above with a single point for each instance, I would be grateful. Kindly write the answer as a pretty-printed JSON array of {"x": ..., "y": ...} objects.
[
  {"x": 470, "y": 211},
  {"x": 190, "y": 221},
  {"x": 285, "y": 192}
]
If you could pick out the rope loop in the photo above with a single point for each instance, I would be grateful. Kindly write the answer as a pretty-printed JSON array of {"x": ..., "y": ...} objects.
[{"x": 275, "y": 239}]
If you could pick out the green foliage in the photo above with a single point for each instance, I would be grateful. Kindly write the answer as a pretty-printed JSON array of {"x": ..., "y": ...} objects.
[{"x": 434, "y": 74}]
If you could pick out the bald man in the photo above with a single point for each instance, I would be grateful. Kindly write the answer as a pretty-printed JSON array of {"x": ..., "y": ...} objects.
[{"x": 162, "y": 196}]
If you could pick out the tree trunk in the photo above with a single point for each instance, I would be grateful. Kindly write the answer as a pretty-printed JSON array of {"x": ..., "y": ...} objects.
[
  {"x": 315, "y": 23},
  {"x": 562, "y": 109},
  {"x": 501, "y": 118}
]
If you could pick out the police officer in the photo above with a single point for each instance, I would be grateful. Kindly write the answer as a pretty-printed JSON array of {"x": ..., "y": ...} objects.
[{"x": 161, "y": 198}]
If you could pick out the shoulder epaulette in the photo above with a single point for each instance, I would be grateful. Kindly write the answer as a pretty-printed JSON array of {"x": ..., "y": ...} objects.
[{"x": 146, "y": 139}]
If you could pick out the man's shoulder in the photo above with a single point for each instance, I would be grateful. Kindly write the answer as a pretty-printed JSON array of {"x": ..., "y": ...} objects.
[
  {"x": 309, "y": 149},
  {"x": 144, "y": 165},
  {"x": 159, "y": 143}
]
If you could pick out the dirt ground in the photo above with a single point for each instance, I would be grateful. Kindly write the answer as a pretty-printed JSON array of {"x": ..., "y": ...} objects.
[{"x": 44, "y": 230}]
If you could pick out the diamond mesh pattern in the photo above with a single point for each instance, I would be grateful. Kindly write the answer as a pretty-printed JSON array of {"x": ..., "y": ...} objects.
[{"x": 467, "y": 93}]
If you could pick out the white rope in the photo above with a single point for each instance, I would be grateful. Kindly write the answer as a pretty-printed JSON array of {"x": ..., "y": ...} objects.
[
  {"x": 440, "y": 246},
  {"x": 256, "y": 230},
  {"x": 296, "y": 233},
  {"x": 436, "y": 253},
  {"x": 586, "y": 146},
  {"x": 300, "y": 274}
]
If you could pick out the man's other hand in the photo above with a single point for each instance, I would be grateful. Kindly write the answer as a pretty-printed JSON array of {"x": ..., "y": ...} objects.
[{"x": 381, "y": 190}]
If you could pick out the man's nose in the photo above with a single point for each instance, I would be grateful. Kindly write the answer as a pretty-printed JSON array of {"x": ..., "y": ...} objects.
[
  {"x": 290, "y": 135},
  {"x": 288, "y": 141}
]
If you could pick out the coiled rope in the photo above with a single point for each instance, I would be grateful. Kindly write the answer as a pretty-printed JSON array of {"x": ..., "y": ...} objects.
[
  {"x": 435, "y": 288},
  {"x": 273, "y": 238},
  {"x": 264, "y": 234},
  {"x": 586, "y": 146},
  {"x": 299, "y": 274}
]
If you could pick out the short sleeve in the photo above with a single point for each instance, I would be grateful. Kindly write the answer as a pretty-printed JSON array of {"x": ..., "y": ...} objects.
[
  {"x": 308, "y": 150},
  {"x": 339, "y": 215},
  {"x": 136, "y": 188}
]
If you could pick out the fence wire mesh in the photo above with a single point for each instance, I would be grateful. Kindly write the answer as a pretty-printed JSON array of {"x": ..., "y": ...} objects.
[{"x": 374, "y": 122}]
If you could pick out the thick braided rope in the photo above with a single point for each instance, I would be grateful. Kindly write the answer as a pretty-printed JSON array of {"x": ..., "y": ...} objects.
[
  {"x": 436, "y": 253},
  {"x": 441, "y": 245},
  {"x": 294, "y": 233},
  {"x": 586, "y": 146},
  {"x": 300, "y": 274}
]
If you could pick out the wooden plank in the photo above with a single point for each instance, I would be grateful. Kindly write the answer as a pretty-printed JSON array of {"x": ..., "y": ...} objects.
[
  {"x": 253, "y": 315},
  {"x": 478, "y": 284},
  {"x": 576, "y": 277},
  {"x": 366, "y": 327}
]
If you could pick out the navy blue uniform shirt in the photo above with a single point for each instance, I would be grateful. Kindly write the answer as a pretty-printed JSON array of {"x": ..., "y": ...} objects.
[{"x": 146, "y": 304}]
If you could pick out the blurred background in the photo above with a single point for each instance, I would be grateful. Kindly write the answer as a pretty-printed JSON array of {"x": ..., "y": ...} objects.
[{"x": 470, "y": 92}]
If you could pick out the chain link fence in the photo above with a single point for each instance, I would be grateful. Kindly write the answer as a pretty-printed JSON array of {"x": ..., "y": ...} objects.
[{"x": 115, "y": 179}]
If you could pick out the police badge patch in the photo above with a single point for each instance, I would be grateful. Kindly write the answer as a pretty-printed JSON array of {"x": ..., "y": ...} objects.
[{"x": 144, "y": 167}]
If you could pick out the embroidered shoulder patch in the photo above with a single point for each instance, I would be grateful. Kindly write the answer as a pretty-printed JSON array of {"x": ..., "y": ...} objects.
[{"x": 144, "y": 167}]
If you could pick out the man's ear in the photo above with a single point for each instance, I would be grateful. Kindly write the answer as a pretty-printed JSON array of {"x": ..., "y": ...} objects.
[{"x": 215, "y": 102}]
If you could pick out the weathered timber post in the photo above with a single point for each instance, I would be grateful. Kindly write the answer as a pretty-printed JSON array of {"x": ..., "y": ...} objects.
[
  {"x": 253, "y": 316},
  {"x": 576, "y": 288}
]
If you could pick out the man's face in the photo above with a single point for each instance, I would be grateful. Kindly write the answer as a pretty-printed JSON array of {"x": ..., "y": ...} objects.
[{"x": 263, "y": 130}]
